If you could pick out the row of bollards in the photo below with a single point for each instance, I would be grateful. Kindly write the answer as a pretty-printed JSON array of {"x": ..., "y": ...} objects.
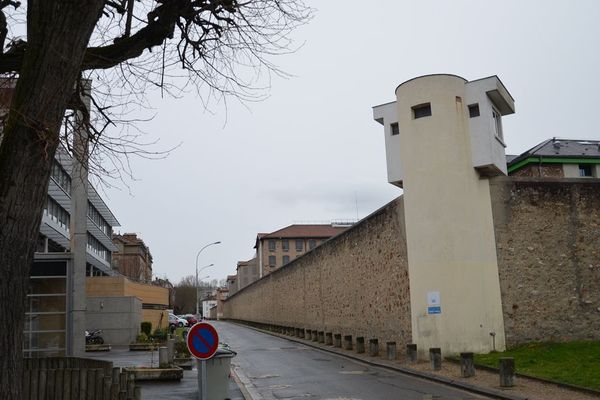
[{"x": 467, "y": 364}]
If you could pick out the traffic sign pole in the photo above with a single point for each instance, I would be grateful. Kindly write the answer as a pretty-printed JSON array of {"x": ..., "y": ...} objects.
[
  {"x": 202, "y": 342},
  {"x": 202, "y": 389}
]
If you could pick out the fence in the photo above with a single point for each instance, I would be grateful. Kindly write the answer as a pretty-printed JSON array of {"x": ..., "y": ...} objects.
[{"x": 72, "y": 378}]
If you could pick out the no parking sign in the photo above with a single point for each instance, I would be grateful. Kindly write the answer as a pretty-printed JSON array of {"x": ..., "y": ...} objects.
[{"x": 202, "y": 340}]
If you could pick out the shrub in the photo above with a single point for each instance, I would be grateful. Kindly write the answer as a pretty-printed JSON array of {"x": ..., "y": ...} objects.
[
  {"x": 181, "y": 349},
  {"x": 146, "y": 327},
  {"x": 142, "y": 338},
  {"x": 159, "y": 335}
]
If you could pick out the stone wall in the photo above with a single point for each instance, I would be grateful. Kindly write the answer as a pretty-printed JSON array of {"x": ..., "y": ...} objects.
[
  {"x": 548, "y": 243},
  {"x": 540, "y": 171},
  {"x": 354, "y": 284},
  {"x": 548, "y": 246}
]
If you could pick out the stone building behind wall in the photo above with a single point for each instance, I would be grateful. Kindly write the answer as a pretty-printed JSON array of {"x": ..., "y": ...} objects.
[
  {"x": 278, "y": 248},
  {"x": 132, "y": 258},
  {"x": 558, "y": 158},
  {"x": 246, "y": 273}
]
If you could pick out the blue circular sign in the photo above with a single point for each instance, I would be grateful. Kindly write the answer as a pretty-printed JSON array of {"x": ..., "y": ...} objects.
[{"x": 202, "y": 340}]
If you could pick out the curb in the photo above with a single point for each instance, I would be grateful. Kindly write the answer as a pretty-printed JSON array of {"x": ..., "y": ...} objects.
[
  {"x": 407, "y": 371},
  {"x": 245, "y": 385},
  {"x": 582, "y": 389}
]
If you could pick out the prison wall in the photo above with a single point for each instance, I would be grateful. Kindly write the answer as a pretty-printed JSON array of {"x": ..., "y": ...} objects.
[
  {"x": 355, "y": 284},
  {"x": 548, "y": 246}
]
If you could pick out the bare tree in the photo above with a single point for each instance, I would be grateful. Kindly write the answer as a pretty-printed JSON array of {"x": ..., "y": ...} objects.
[{"x": 219, "y": 45}]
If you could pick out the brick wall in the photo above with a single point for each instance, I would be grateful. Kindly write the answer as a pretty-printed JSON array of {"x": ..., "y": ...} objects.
[
  {"x": 354, "y": 284},
  {"x": 548, "y": 243}
]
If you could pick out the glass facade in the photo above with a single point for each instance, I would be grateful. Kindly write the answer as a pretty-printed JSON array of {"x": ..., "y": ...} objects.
[{"x": 45, "y": 333}]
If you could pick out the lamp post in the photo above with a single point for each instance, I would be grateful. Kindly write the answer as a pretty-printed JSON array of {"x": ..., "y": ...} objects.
[{"x": 197, "y": 283}]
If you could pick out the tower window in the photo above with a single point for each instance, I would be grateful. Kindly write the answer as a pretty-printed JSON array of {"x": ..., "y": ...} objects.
[
  {"x": 497, "y": 123},
  {"x": 473, "y": 110},
  {"x": 395, "y": 130},
  {"x": 421, "y": 110}
]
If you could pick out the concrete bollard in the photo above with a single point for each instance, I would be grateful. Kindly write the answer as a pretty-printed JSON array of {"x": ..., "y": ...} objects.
[
  {"x": 411, "y": 352},
  {"x": 373, "y": 347},
  {"x": 297, "y": 334},
  {"x": 171, "y": 350},
  {"x": 163, "y": 356},
  {"x": 308, "y": 334},
  {"x": 301, "y": 333},
  {"x": 321, "y": 337},
  {"x": 391, "y": 350},
  {"x": 360, "y": 344},
  {"x": 435, "y": 358},
  {"x": 507, "y": 371},
  {"x": 329, "y": 338},
  {"x": 337, "y": 340},
  {"x": 467, "y": 366},
  {"x": 315, "y": 336},
  {"x": 348, "y": 342}
]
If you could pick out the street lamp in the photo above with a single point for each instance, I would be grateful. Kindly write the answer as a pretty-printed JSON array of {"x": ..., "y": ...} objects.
[
  {"x": 198, "y": 297},
  {"x": 197, "y": 286}
]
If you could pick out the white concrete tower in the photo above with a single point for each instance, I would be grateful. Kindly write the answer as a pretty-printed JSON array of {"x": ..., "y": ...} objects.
[{"x": 443, "y": 139}]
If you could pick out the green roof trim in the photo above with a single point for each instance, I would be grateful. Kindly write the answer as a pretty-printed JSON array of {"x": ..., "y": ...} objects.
[{"x": 552, "y": 160}]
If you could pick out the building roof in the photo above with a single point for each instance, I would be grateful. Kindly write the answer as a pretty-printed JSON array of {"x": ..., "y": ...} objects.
[
  {"x": 305, "y": 231},
  {"x": 231, "y": 277},
  {"x": 553, "y": 150}
]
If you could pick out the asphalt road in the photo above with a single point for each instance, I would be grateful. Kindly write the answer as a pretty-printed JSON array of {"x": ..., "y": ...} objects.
[{"x": 275, "y": 368}]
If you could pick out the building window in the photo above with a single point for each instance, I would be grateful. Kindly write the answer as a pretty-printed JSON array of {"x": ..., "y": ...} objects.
[
  {"x": 421, "y": 110},
  {"x": 100, "y": 222},
  {"x": 271, "y": 261},
  {"x": 271, "y": 245},
  {"x": 473, "y": 110},
  {"x": 60, "y": 176},
  {"x": 57, "y": 214},
  {"x": 299, "y": 245},
  {"x": 312, "y": 244},
  {"x": 585, "y": 170},
  {"x": 285, "y": 245},
  {"x": 394, "y": 129},
  {"x": 286, "y": 259},
  {"x": 496, "y": 116}
]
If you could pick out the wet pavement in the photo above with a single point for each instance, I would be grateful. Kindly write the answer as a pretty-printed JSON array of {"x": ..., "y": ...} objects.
[{"x": 275, "y": 368}]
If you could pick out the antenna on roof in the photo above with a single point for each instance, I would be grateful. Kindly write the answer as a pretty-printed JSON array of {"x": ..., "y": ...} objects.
[{"x": 356, "y": 204}]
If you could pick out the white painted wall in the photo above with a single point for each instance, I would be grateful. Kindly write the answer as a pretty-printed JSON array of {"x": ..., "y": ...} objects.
[{"x": 386, "y": 115}]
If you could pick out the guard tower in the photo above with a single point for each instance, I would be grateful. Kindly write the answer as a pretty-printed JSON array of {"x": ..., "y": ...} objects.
[{"x": 444, "y": 139}]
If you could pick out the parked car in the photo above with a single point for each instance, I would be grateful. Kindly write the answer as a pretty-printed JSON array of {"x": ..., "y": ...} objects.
[
  {"x": 174, "y": 320},
  {"x": 190, "y": 318}
]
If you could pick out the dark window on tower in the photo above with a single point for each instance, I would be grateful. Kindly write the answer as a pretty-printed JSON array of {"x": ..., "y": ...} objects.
[
  {"x": 271, "y": 261},
  {"x": 473, "y": 110},
  {"x": 395, "y": 130},
  {"x": 422, "y": 110},
  {"x": 271, "y": 245}
]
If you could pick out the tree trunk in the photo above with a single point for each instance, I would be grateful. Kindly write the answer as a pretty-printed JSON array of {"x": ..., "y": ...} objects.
[{"x": 58, "y": 32}]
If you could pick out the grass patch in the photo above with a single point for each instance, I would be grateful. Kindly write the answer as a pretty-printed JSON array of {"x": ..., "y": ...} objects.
[{"x": 576, "y": 363}]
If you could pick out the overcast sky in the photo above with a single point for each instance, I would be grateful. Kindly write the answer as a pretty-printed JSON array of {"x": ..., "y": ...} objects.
[{"x": 312, "y": 152}]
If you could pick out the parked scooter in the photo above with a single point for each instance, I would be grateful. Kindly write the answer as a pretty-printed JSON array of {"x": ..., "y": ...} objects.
[{"x": 93, "y": 337}]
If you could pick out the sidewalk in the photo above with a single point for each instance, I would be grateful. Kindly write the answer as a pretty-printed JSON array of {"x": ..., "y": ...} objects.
[
  {"x": 450, "y": 374},
  {"x": 187, "y": 388}
]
